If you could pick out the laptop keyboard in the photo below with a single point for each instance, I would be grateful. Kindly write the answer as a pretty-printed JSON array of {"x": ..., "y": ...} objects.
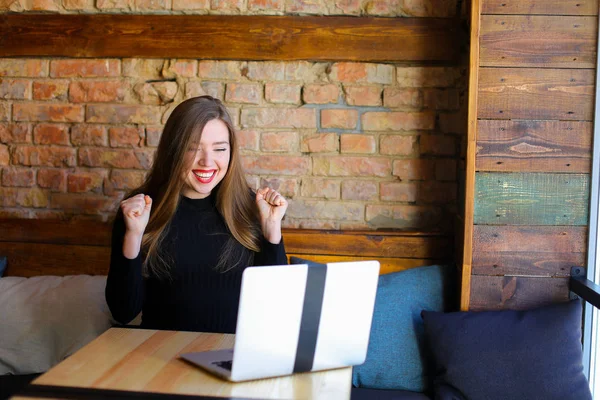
[{"x": 223, "y": 364}]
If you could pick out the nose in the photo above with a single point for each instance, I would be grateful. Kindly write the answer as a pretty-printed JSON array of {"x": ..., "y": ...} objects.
[{"x": 204, "y": 158}]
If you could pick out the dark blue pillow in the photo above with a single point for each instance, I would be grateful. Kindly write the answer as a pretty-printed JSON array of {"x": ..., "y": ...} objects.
[
  {"x": 397, "y": 355},
  {"x": 2, "y": 265},
  {"x": 504, "y": 355}
]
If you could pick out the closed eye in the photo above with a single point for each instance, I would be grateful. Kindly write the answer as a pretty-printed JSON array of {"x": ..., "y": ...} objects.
[{"x": 221, "y": 149}]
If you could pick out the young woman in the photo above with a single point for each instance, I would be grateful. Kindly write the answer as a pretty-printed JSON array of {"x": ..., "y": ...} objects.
[{"x": 181, "y": 241}]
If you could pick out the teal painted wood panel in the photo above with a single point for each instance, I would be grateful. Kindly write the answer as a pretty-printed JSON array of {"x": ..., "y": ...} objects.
[{"x": 531, "y": 199}]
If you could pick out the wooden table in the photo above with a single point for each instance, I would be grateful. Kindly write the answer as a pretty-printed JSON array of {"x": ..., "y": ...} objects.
[{"x": 143, "y": 360}]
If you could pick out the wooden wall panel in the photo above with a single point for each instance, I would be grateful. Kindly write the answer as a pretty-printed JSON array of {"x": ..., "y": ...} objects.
[
  {"x": 517, "y": 293},
  {"x": 538, "y": 41},
  {"x": 536, "y": 146},
  {"x": 540, "y": 94},
  {"x": 529, "y": 263},
  {"x": 548, "y": 7},
  {"x": 531, "y": 199},
  {"x": 229, "y": 37}
]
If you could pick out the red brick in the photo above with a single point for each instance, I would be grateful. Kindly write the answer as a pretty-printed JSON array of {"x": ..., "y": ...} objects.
[
  {"x": 53, "y": 179},
  {"x": 8, "y": 197},
  {"x": 4, "y": 155},
  {"x": 250, "y": 93},
  {"x": 49, "y": 156},
  {"x": 357, "y": 143},
  {"x": 79, "y": 5},
  {"x": 352, "y": 72},
  {"x": 78, "y": 203},
  {"x": 445, "y": 170},
  {"x": 339, "y": 118},
  {"x": 123, "y": 114},
  {"x": 399, "y": 191},
  {"x": 414, "y": 169},
  {"x": 280, "y": 165},
  {"x": 152, "y": 5},
  {"x": 25, "y": 67},
  {"x": 47, "y": 112},
  {"x": 266, "y": 71},
  {"x": 125, "y": 5},
  {"x": 433, "y": 192},
  {"x": 305, "y": 6},
  {"x": 156, "y": 93},
  {"x": 359, "y": 190},
  {"x": 398, "y": 145},
  {"x": 288, "y": 187},
  {"x": 125, "y": 159},
  {"x": 421, "y": 77},
  {"x": 305, "y": 71},
  {"x": 248, "y": 139},
  {"x": 97, "y": 91},
  {"x": 363, "y": 95},
  {"x": 352, "y": 166},
  {"x": 321, "y": 143},
  {"x": 320, "y": 188},
  {"x": 143, "y": 68},
  {"x": 14, "y": 176},
  {"x": 4, "y": 111},
  {"x": 51, "y": 90},
  {"x": 430, "y": 8},
  {"x": 402, "y": 98},
  {"x": 325, "y": 209},
  {"x": 17, "y": 89},
  {"x": 396, "y": 121},
  {"x": 83, "y": 182},
  {"x": 88, "y": 135},
  {"x": 320, "y": 94},
  {"x": 183, "y": 68},
  {"x": 348, "y": 7},
  {"x": 266, "y": 5},
  {"x": 404, "y": 217},
  {"x": 84, "y": 68},
  {"x": 438, "y": 145},
  {"x": 387, "y": 8},
  {"x": 126, "y": 180},
  {"x": 191, "y": 5},
  {"x": 195, "y": 89},
  {"x": 14, "y": 133},
  {"x": 279, "y": 118},
  {"x": 33, "y": 197},
  {"x": 126, "y": 136},
  {"x": 220, "y": 69},
  {"x": 453, "y": 123},
  {"x": 282, "y": 93},
  {"x": 441, "y": 99},
  {"x": 226, "y": 5},
  {"x": 279, "y": 141},
  {"x": 153, "y": 134},
  {"x": 51, "y": 134},
  {"x": 321, "y": 225},
  {"x": 15, "y": 214}
]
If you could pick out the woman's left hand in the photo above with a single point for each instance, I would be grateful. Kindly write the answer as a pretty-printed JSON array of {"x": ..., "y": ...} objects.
[{"x": 272, "y": 207}]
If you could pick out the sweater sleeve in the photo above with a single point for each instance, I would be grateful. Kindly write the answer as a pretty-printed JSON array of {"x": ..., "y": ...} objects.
[
  {"x": 270, "y": 254},
  {"x": 125, "y": 284}
]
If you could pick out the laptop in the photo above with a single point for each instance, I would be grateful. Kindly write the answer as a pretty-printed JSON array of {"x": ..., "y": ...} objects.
[{"x": 298, "y": 318}]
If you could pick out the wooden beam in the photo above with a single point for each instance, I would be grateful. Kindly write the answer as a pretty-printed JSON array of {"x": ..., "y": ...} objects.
[{"x": 228, "y": 37}]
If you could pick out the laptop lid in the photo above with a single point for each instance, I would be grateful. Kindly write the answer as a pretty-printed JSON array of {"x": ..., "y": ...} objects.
[{"x": 298, "y": 318}]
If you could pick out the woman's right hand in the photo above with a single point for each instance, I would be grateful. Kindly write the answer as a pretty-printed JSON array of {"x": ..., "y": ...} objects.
[{"x": 136, "y": 212}]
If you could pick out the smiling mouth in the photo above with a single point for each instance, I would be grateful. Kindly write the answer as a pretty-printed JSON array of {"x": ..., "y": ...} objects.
[{"x": 205, "y": 176}]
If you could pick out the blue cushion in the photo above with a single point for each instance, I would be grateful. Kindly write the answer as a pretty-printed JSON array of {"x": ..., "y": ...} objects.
[
  {"x": 396, "y": 357},
  {"x": 2, "y": 265},
  {"x": 504, "y": 355}
]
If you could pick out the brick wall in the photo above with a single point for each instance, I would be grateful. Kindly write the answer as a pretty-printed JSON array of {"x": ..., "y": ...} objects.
[{"x": 352, "y": 145}]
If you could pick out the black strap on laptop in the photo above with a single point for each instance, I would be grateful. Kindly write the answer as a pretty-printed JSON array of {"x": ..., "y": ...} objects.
[{"x": 311, "y": 316}]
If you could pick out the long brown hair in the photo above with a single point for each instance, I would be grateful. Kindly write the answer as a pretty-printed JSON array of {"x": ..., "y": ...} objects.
[{"x": 164, "y": 183}]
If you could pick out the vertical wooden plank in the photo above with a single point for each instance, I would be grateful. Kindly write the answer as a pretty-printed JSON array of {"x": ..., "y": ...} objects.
[
  {"x": 465, "y": 294},
  {"x": 536, "y": 93},
  {"x": 545, "y": 7},
  {"x": 538, "y": 41},
  {"x": 531, "y": 199},
  {"x": 534, "y": 146}
]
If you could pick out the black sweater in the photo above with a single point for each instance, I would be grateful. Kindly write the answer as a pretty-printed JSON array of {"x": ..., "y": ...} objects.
[{"x": 197, "y": 297}]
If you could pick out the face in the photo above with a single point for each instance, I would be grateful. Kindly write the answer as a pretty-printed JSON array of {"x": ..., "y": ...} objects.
[{"x": 207, "y": 161}]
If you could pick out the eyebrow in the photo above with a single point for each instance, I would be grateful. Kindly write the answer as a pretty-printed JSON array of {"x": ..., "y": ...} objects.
[{"x": 219, "y": 143}]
